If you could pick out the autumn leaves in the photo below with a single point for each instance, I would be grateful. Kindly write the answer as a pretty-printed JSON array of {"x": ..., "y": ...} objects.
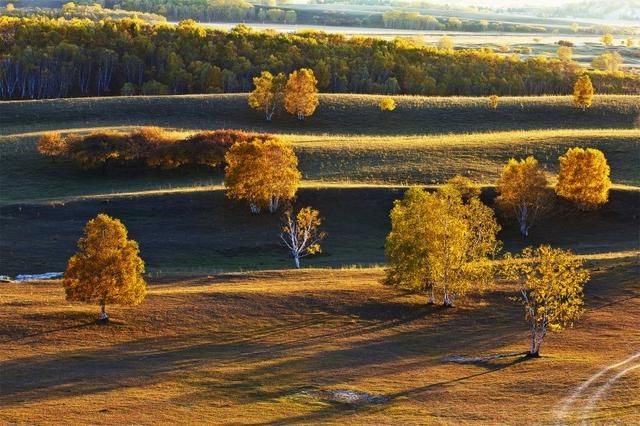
[
  {"x": 297, "y": 94},
  {"x": 443, "y": 244}
]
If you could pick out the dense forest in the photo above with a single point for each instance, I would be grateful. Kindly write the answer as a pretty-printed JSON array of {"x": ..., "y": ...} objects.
[{"x": 46, "y": 58}]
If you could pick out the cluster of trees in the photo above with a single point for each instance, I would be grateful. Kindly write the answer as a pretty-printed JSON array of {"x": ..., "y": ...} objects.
[
  {"x": 200, "y": 10},
  {"x": 417, "y": 21},
  {"x": 443, "y": 243},
  {"x": 45, "y": 58},
  {"x": 583, "y": 179},
  {"x": 70, "y": 10},
  {"x": 298, "y": 93},
  {"x": 148, "y": 146}
]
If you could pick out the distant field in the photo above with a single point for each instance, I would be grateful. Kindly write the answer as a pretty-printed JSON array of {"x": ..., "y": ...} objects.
[
  {"x": 337, "y": 114},
  {"x": 266, "y": 348}
]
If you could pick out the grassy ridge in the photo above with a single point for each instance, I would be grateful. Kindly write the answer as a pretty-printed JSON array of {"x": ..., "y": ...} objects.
[
  {"x": 337, "y": 114},
  {"x": 203, "y": 231},
  {"x": 26, "y": 175}
]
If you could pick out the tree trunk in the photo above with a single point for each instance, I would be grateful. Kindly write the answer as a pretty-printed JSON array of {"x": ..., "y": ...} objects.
[
  {"x": 254, "y": 208},
  {"x": 103, "y": 312},
  {"x": 296, "y": 261},
  {"x": 432, "y": 299}
]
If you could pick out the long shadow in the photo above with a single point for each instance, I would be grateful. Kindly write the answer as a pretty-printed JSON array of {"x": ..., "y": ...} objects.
[
  {"x": 337, "y": 409},
  {"x": 50, "y": 331}
]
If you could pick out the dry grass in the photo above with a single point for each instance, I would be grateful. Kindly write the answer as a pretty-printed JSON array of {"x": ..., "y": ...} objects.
[
  {"x": 337, "y": 114},
  {"x": 26, "y": 176},
  {"x": 238, "y": 348}
]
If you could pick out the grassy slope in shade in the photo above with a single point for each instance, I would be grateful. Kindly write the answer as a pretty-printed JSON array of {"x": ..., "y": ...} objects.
[
  {"x": 239, "y": 348},
  {"x": 204, "y": 232},
  {"x": 337, "y": 114},
  {"x": 27, "y": 176}
]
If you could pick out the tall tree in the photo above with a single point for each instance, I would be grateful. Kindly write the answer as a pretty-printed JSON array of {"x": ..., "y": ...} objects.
[
  {"x": 522, "y": 188},
  {"x": 301, "y": 233},
  {"x": 107, "y": 269},
  {"x": 584, "y": 178},
  {"x": 268, "y": 94},
  {"x": 583, "y": 92},
  {"x": 262, "y": 173},
  {"x": 439, "y": 243},
  {"x": 301, "y": 93},
  {"x": 550, "y": 282}
]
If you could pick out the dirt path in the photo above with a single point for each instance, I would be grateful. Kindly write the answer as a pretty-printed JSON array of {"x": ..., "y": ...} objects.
[{"x": 584, "y": 398}]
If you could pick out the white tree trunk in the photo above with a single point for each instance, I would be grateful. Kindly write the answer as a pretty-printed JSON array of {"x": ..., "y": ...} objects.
[
  {"x": 254, "y": 208},
  {"x": 296, "y": 261},
  {"x": 103, "y": 313}
]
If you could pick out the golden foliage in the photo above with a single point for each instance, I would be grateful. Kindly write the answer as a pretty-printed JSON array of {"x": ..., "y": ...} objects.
[
  {"x": 387, "y": 104},
  {"x": 262, "y": 173},
  {"x": 268, "y": 93},
  {"x": 493, "y": 101},
  {"x": 551, "y": 282},
  {"x": 584, "y": 178},
  {"x": 564, "y": 53},
  {"x": 583, "y": 92},
  {"x": 301, "y": 233},
  {"x": 301, "y": 93},
  {"x": 440, "y": 244},
  {"x": 607, "y": 39},
  {"x": 465, "y": 186},
  {"x": 522, "y": 188},
  {"x": 52, "y": 145},
  {"x": 107, "y": 267}
]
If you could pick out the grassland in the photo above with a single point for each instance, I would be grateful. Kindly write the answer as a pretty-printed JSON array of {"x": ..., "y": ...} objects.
[
  {"x": 27, "y": 176},
  {"x": 337, "y": 114},
  {"x": 203, "y": 232},
  {"x": 242, "y": 348},
  {"x": 268, "y": 347}
]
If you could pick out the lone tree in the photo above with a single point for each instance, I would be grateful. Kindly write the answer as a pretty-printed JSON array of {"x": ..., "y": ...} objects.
[
  {"x": 493, "y": 101},
  {"x": 262, "y": 173},
  {"x": 564, "y": 53},
  {"x": 387, "y": 104},
  {"x": 301, "y": 233},
  {"x": 107, "y": 268},
  {"x": 583, "y": 92},
  {"x": 607, "y": 39},
  {"x": 551, "y": 282},
  {"x": 522, "y": 188},
  {"x": 268, "y": 94},
  {"x": 584, "y": 178},
  {"x": 52, "y": 145},
  {"x": 440, "y": 244},
  {"x": 301, "y": 93}
]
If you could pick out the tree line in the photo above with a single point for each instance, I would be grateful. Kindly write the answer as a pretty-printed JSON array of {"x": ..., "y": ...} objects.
[
  {"x": 47, "y": 58},
  {"x": 150, "y": 147}
]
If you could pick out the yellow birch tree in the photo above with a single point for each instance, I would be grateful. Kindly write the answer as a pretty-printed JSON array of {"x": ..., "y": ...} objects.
[
  {"x": 550, "y": 282},
  {"x": 262, "y": 172},
  {"x": 301, "y": 93},
  {"x": 107, "y": 269},
  {"x": 584, "y": 178}
]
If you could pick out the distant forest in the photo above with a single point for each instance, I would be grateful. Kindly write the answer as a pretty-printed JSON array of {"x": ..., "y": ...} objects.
[
  {"x": 271, "y": 11},
  {"x": 49, "y": 58}
]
